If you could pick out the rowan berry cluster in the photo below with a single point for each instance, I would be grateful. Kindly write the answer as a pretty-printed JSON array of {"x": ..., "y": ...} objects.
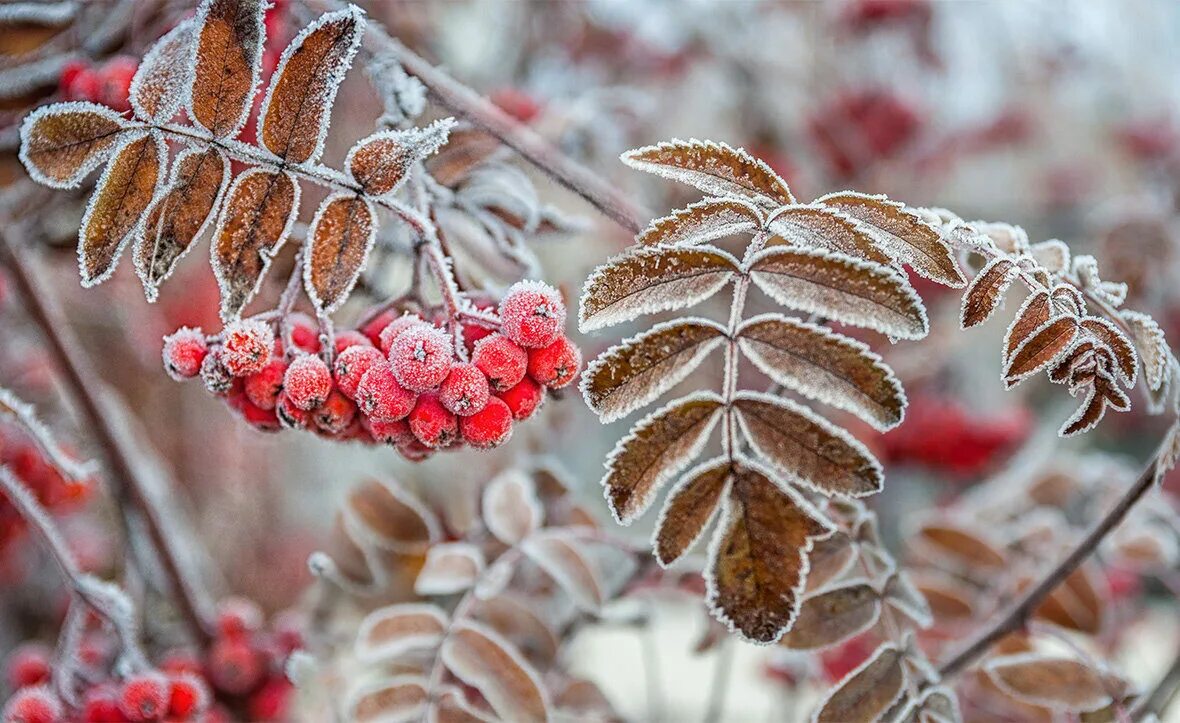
[
  {"x": 25, "y": 459},
  {"x": 398, "y": 380},
  {"x": 108, "y": 83}
]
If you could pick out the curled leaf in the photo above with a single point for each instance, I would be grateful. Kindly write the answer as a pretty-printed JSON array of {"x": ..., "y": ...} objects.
[
  {"x": 228, "y": 61},
  {"x": 688, "y": 509},
  {"x": 381, "y": 162},
  {"x": 715, "y": 168},
  {"x": 340, "y": 237},
  {"x": 63, "y": 142},
  {"x": 986, "y": 291},
  {"x": 1152, "y": 347},
  {"x": 487, "y": 662},
  {"x": 559, "y": 554},
  {"x": 388, "y": 517},
  {"x": 701, "y": 222},
  {"x": 1118, "y": 343}
]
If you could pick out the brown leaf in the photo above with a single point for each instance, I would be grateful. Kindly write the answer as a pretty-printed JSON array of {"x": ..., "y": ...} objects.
[
  {"x": 1032, "y": 314},
  {"x": 115, "y": 212},
  {"x": 701, "y": 222},
  {"x": 400, "y": 698},
  {"x": 255, "y": 221},
  {"x": 902, "y": 233},
  {"x": 454, "y": 707},
  {"x": 986, "y": 291},
  {"x": 450, "y": 567},
  {"x": 757, "y": 566},
  {"x": 965, "y": 547},
  {"x": 293, "y": 121},
  {"x": 658, "y": 447},
  {"x": 650, "y": 279},
  {"x": 557, "y": 553},
  {"x": 62, "y": 143},
  {"x": 715, "y": 168},
  {"x": 1152, "y": 347},
  {"x": 390, "y": 632},
  {"x": 388, "y": 517},
  {"x": 868, "y": 691},
  {"x": 832, "y": 616},
  {"x": 228, "y": 61},
  {"x": 381, "y": 162},
  {"x": 830, "y": 559},
  {"x": 1059, "y": 683},
  {"x": 934, "y": 705},
  {"x": 825, "y": 228},
  {"x": 511, "y": 509},
  {"x": 179, "y": 215},
  {"x": 157, "y": 90},
  {"x": 1052, "y": 255},
  {"x": 468, "y": 148},
  {"x": 842, "y": 288},
  {"x": 903, "y": 595},
  {"x": 1070, "y": 296},
  {"x": 340, "y": 237},
  {"x": 1075, "y": 604},
  {"x": 485, "y": 661},
  {"x": 806, "y": 447},
  {"x": 1045, "y": 345},
  {"x": 1118, "y": 343},
  {"x": 1086, "y": 416},
  {"x": 520, "y": 623},
  {"x": 948, "y": 602},
  {"x": 688, "y": 509},
  {"x": 632, "y": 374},
  {"x": 823, "y": 365}
]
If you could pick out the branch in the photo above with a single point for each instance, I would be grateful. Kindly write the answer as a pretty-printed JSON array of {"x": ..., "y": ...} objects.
[{"x": 79, "y": 375}]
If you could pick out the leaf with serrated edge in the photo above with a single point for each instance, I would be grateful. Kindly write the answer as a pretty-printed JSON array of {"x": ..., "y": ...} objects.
[
  {"x": 339, "y": 239},
  {"x": 983, "y": 295},
  {"x": 832, "y": 616},
  {"x": 824, "y": 227},
  {"x": 901, "y": 233},
  {"x": 558, "y": 554},
  {"x": 839, "y": 287},
  {"x": 823, "y": 365},
  {"x": 179, "y": 215},
  {"x": 636, "y": 371},
  {"x": 701, "y": 222},
  {"x": 450, "y": 567},
  {"x": 1152, "y": 347},
  {"x": 390, "y": 632},
  {"x": 688, "y": 508},
  {"x": 1059, "y": 683},
  {"x": 381, "y": 162},
  {"x": 390, "y": 518},
  {"x": 61, "y": 144},
  {"x": 400, "y": 699},
  {"x": 657, "y": 448},
  {"x": 228, "y": 61},
  {"x": 511, "y": 509},
  {"x": 1044, "y": 346},
  {"x": 1070, "y": 296},
  {"x": 757, "y": 567},
  {"x": 115, "y": 213},
  {"x": 1035, "y": 311},
  {"x": 806, "y": 447},
  {"x": 866, "y": 692},
  {"x": 715, "y": 168},
  {"x": 293, "y": 120},
  {"x": 1118, "y": 343},
  {"x": 259, "y": 210},
  {"x": 651, "y": 279},
  {"x": 158, "y": 87},
  {"x": 487, "y": 662}
]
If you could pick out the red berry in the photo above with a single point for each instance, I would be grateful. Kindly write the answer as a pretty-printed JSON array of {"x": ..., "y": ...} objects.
[
  {"x": 414, "y": 450},
  {"x": 490, "y": 427},
  {"x": 556, "y": 365},
  {"x": 234, "y": 666},
  {"x": 84, "y": 85},
  {"x": 289, "y": 415},
  {"x": 421, "y": 357},
  {"x": 307, "y": 382},
  {"x": 394, "y": 432},
  {"x": 70, "y": 72},
  {"x": 262, "y": 419},
  {"x": 180, "y": 661},
  {"x": 145, "y": 697},
  {"x": 532, "y": 314},
  {"x": 524, "y": 398},
  {"x": 246, "y": 346},
  {"x": 33, "y": 705},
  {"x": 503, "y": 362},
  {"x": 187, "y": 697},
  {"x": 101, "y": 705},
  {"x": 216, "y": 377},
  {"x": 237, "y": 617},
  {"x": 351, "y": 364},
  {"x": 350, "y": 338},
  {"x": 465, "y": 391},
  {"x": 373, "y": 327},
  {"x": 395, "y": 326},
  {"x": 380, "y": 397},
  {"x": 305, "y": 333},
  {"x": 335, "y": 414},
  {"x": 269, "y": 703},
  {"x": 431, "y": 423},
  {"x": 115, "y": 76},
  {"x": 184, "y": 350},
  {"x": 28, "y": 665},
  {"x": 473, "y": 333},
  {"x": 263, "y": 387}
]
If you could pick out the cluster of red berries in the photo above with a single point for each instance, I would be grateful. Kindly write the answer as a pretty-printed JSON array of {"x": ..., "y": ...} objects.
[
  {"x": 109, "y": 83},
  {"x": 942, "y": 434},
  {"x": 398, "y": 380},
  {"x": 24, "y": 458}
]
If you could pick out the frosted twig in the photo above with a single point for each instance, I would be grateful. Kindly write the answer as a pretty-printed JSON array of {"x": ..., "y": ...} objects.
[{"x": 22, "y": 412}]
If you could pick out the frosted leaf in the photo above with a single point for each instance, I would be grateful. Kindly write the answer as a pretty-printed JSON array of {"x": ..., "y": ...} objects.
[
  {"x": 830, "y": 559},
  {"x": 1153, "y": 348},
  {"x": 1052, "y": 255},
  {"x": 339, "y": 240},
  {"x": 62, "y": 143},
  {"x": 293, "y": 120},
  {"x": 842, "y": 288},
  {"x": 511, "y": 510},
  {"x": 487, "y": 662},
  {"x": 1032, "y": 314},
  {"x": 1058, "y": 683},
  {"x": 1044, "y": 346},
  {"x": 402, "y": 95},
  {"x": 934, "y": 705},
  {"x": 388, "y": 517},
  {"x": 1012, "y": 240},
  {"x": 518, "y": 621},
  {"x": 381, "y": 162},
  {"x": 228, "y": 62},
  {"x": 1077, "y": 604},
  {"x": 399, "y": 699},
  {"x": 635, "y": 372},
  {"x": 957, "y": 545},
  {"x": 450, "y": 567},
  {"x": 390, "y": 632},
  {"x": 1085, "y": 417},
  {"x": 715, "y": 168},
  {"x": 452, "y": 706},
  {"x": 1068, "y": 296},
  {"x": 658, "y": 447},
  {"x": 903, "y": 595},
  {"x": 835, "y": 615},
  {"x": 559, "y": 554},
  {"x": 1119, "y": 345},
  {"x": 825, "y": 228},
  {"x": 950, "y": 602},
  {"x": 165, "y": 74},
  {"x": 826, "y": 366},
  {"x": 868, "y": 691},
  {"x": 986, "y": 291},
  {"x": 688, "y": 509},
  {"x": 701, "y": 222}
]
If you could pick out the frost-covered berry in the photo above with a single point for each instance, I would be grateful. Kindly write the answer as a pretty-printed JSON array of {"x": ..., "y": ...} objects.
[
  {"x": 187, "y": 696},
  {"x": 184, "y": 350},
  {"x": 431, "y": 423},
  {"x": 271, "y": 701},
  {"x": 216, "y": 377},
  {"x": 465, "y": 391},
  {"x": 307, "y": 382},
  {"x": 235, "y": 666},
  {"x": 237, "y": 617},
  {"x": 394, "y": 432},
  {"x": 524, "y": 398},
  {"x": 556, "y": 365},
  {"x": 396, "y": 326},
  {"x": 246, "y": 346},
  {"x": 115, "y": 81},
  {"x": 351, "y": 364},
  {"x": 262, "y": 388},
  {"x": 265, "y": 420},
  {"x": 472, "y": 333},
  {"x": 421, "y": 357},
  {"x": 33, "y": 705},
  {"x": 502, "y": 361},
  {"x": 289, "y": 415},
  {"x": 414, "y": 450},
  {"x": 490, "y": 427},
  {"x": 145, "y": 697},
  {"x": 532, "y": 314},
  {"x": 101, "y": 705},
  {"x": 380, "y": 397},
  {"x": 28, "y": 665},
  {"x": 335, "y": 414}
]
